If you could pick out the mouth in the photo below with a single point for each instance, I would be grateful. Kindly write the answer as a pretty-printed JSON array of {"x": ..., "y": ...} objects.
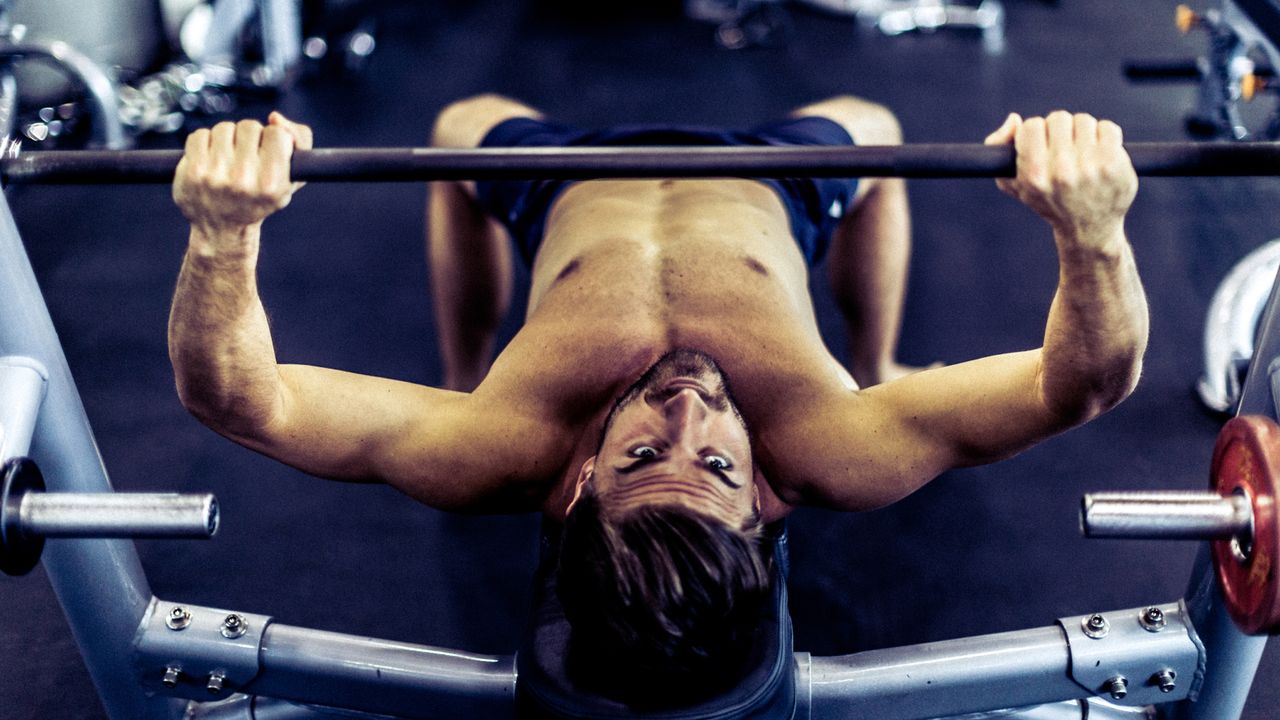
[
  {"x": 670, "y": 389},
  {"x": 686, "y": 383}
]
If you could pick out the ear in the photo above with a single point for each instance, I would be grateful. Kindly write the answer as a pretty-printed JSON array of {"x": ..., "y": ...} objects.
[
  {"x": 584, "y": 476},
  {"x": 757, "y": 477}
]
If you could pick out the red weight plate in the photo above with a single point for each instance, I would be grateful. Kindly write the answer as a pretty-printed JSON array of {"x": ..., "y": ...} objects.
[{"x": 1247, "y": 459}]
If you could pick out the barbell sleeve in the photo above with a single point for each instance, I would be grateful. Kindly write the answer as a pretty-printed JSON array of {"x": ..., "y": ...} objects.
[
  {"x": 1166, "y": 515},
  {"x": 29, "y": 515},
  {"x": 118, "y": 515},
  {"x": 417, "y": 164}
]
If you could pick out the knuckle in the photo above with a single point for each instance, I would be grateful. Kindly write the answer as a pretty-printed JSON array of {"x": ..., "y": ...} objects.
[
  {"x": 274, "y": 188},
  {"x": 244, "y": 187},
  {"x": 217, "y": 184},
  {"x": 195, "y": 174},
  {"x": 1065, "y": 179},
  {"x": 1110, "y": 131},
  {"x": 1030, "y": 169}
]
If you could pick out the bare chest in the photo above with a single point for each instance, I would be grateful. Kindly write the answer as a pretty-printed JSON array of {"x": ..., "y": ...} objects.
[{"x": 670, "y": 253}]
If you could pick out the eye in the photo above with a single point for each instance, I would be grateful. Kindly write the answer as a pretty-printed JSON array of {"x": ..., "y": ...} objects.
[
  {"x": 644, "y": 452},
  {"x": 716, "y": 462}
]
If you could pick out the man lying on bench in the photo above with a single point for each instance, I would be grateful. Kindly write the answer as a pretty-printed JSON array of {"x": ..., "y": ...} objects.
[{"x": 669, "y": 394}]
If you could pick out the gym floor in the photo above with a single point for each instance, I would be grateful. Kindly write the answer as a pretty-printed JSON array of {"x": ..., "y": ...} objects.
[{"x": 343, "y": 275}]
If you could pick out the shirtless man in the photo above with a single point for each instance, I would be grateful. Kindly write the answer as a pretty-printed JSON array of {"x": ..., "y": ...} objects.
[{"x": 610, "y": 409}]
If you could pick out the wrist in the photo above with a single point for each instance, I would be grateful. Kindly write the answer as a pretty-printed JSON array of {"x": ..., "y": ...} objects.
[
  {"x": 1091, "y": 241},
  {"x": 238, "y": 243}
]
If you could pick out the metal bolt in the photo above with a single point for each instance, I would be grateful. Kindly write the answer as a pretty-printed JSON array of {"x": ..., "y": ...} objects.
[
  {"x": 1118, "y": 687},
  {"x": 234, "y": 626},
  {"x": 1165, "y": 679},
  {"x": 1152, "y": 619},
  {"x": 178, "y": 619},
  {"x": 216, "y": 679},
  {"x": 1096, "y": 626},
  {"x": 171, "y": 675}
]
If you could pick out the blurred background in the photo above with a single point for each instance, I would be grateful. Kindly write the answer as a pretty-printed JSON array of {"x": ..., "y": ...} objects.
[{"x": 344, "y": 278}]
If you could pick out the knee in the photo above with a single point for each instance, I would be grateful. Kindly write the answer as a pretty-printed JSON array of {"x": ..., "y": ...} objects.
[
  {"x": 880, "y": 123},
  {"x": 868, "y": 122},
  {"x": 464, "y": 123}
]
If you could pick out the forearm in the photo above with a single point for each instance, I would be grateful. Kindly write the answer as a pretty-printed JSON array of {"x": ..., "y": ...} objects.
[
  {"x": 1097, "y": 328},
  {"x": 219, "y": 339}
]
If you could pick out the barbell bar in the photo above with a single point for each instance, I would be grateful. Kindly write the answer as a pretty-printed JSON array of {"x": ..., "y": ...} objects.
[{"x": 927, "y": 160}]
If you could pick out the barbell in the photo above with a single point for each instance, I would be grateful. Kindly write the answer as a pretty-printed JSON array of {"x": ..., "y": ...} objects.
[{"x": 927, "y": 160}]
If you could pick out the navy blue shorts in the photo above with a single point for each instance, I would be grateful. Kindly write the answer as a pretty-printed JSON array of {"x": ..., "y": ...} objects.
[{"x": 814, "y": 205}]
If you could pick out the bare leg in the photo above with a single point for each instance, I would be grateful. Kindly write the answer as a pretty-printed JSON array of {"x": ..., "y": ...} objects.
[
  {"x": 870, "y": 251},
  {"x": 468, "y": 253}
]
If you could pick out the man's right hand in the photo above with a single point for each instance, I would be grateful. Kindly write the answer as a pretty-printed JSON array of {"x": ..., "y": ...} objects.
[
  {"x": 234, "y": 175},
  {"x": 1073, "y": 171}
]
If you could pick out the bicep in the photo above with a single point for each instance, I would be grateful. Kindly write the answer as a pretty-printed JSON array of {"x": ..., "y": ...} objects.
[{"x": 884, "y": 443}]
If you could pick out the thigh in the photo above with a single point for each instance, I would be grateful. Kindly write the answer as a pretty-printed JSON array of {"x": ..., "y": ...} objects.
[
  {"x": 465, "y": 123},
  {"x": 868, "y": 123}
]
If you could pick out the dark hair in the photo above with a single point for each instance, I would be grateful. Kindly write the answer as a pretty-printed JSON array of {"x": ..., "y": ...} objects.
[{"x": 663, "y": 602}]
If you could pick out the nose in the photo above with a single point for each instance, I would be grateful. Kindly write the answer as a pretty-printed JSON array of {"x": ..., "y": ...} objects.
[{"x": 684, "y": 408}]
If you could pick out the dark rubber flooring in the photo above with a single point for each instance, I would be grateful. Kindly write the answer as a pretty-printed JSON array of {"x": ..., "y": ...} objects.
[{"x": 978, "y": 551}]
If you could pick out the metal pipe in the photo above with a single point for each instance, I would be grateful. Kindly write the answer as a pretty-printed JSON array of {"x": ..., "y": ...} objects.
[
  {"x": 1026, "y": 669},
  {"x": 22, "y": 388},
  {"x": 1231, "y": 658},
  {"x": 1174, "y": 515},
  {"x": 244, "y": 707},
  {"x": 382, "y": 676},
  {"x": 1013, "y": 669},
  {"x": 118, "y": 515},
  {"x": 261, "y": 708},
  {"x": 417, "y": 164}
]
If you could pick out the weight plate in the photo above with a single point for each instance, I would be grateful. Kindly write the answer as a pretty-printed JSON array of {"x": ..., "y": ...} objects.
[
  {"x": 18, "y": 551},
  {"x": 1246, "y": 460}
]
